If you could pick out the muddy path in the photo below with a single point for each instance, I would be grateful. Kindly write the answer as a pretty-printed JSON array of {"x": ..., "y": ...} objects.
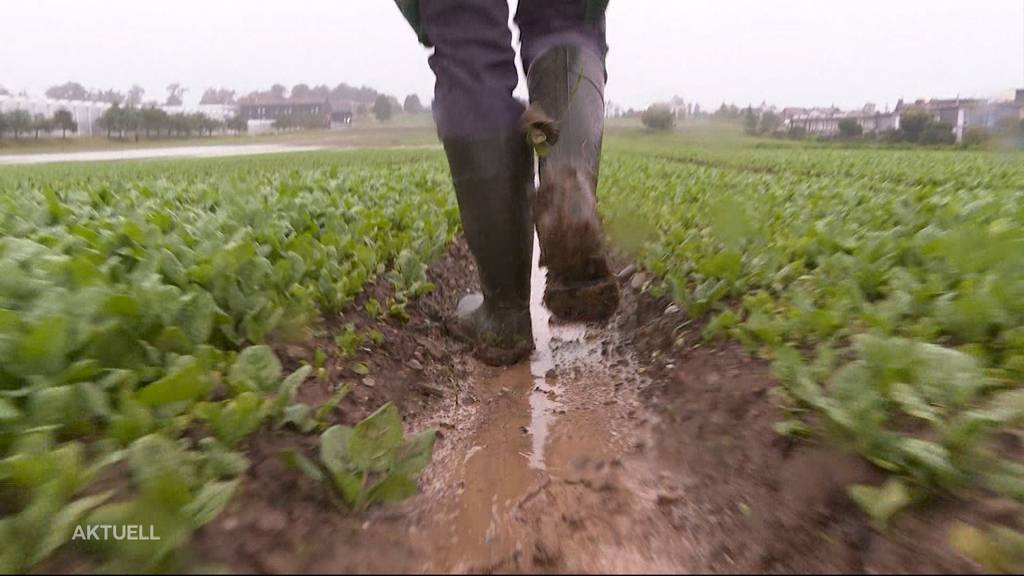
[{"x": 626, "y": 448}]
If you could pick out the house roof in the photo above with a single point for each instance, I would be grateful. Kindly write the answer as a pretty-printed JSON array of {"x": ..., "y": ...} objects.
[{"x": 272, "y": 101}]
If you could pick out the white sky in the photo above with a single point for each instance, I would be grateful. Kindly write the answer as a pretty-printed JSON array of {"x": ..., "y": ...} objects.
[{"x": 788, "y": 52}]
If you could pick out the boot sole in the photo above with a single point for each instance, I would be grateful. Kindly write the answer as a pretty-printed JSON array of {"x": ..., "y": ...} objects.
[
  {"x": 593, "y": 301},
  {"x": 492, "y": 355}
]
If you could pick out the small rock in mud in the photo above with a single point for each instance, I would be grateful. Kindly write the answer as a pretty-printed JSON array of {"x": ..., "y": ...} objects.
[
  {"x": 638, "y": 281},
  {"x": 369, "y": 382},
  {"x": 272, "y": 521},
  {"x": 626, "y": 272},
  {"x": 668, "y": 498},
  {"x": 231, "y": 523},
  {"x": 551, "y": 373},
  {"x": 415, "y": 365}
]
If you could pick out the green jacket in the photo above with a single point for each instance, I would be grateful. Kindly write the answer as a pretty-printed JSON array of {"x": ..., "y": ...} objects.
[{"x": 411, "y": 10}]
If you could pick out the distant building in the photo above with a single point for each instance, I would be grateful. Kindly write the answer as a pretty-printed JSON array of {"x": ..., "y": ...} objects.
[
  {"x": 825, "y": 121},
  {"x": 342, "y": 112},
  {"x": 962, "y": 114},
  {"x": 85, "y": 113},
  {"x": 262, "y": 109},
  {"x": 220, "y": 112},
  {"x": 679, "y": 108}
]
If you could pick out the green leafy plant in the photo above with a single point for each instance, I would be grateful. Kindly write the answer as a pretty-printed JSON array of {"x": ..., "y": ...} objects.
[
  {"x": 371, "y": 462},
  {"x": 136, "y": 304}
]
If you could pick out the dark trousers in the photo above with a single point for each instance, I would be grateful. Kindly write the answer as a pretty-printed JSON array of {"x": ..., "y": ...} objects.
[{"x": 474, "y": 62}]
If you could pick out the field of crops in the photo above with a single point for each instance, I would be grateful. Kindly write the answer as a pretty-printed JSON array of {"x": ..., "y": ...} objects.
[
  {"x": 887, "y": 286},
  {"x": 135, "y": 300}
]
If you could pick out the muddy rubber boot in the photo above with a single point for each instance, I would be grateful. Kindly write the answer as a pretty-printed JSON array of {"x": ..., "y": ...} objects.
[
  {"x": 493, "y": 181},
  {"x": 566, "y": 119}
]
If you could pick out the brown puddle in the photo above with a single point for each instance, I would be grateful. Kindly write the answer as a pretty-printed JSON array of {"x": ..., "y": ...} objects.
[{"x": 541, "y": 443}]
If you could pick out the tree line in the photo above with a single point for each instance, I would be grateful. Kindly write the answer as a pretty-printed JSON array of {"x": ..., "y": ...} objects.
[
  {"x": 20, "y": 123},
  {"x": 154, "y": 122}
]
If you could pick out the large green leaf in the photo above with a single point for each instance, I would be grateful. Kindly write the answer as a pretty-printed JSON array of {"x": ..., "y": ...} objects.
[
  {"x": 189, "y": 381},
  {"x": 375, "y": 439},
  {"x": 256, "y": 368}
]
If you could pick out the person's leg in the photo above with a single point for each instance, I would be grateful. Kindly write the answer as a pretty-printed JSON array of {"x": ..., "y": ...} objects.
[
  {"x": 546, "y": 24},
  {"x": 491, "y": 164},
  {"x": 563, "y": 51}
]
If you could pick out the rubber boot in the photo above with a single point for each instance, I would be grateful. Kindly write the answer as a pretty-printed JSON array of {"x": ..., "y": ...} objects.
[
  {"x": 566, "y": 116},
  {"x": 493, "y": 181}
]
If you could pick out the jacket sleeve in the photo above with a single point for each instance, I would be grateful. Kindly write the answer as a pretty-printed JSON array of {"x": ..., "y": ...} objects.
[
  {"x": 596, "y": 9},
  {"x": 411, "y": 10}
]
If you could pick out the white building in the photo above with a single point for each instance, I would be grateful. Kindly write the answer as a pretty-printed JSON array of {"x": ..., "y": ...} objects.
[
  {"x": 220, "y": 112},
  {"x": 86, "y": 114},
  {"x": 825, "y": 121}
]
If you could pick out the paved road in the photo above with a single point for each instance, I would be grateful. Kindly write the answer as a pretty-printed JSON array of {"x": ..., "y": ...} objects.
[{"x": 151, "y": 153}]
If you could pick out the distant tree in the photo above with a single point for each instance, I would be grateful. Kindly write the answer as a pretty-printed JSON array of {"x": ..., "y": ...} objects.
[
  {"x": 283, "y": 123},
  {"x": 301, "y": 91},
  {"x": 65, "y": 122},
  {"x": 110, "y": 96},
  {"x": 237, "y": 124},
  {"x": 205, "y": 124},
  {"x": 68, "y": 91},
  {"x": 41, "y": 123},
  {"x": 175, "y": 94},
  {"x": 365, "y": 95},
  {"x": 1009, "y": 126},
  {"x": 135, "y": 95},
  {"x": 5, "y": 123},
  {"x": 797, "y": 133},
  {"x": 215, "y": 96},
  {"x": 4, "y": 92},
  {"x": 726, "y": 112},
  {"x": 153, "y": 120},
  {"x": 914, "y": 123},
  {"x": 412, "y": 104},
  {"x": 977, "y": 137},
  {"x": 20, "y": 121},
  {"x": 322, "y": 92},
  {"x": 382, "y": 108},
  {"x": 131, "y": 121},
  {"x": 850, "y": 129},
  {"x": 750, "y": 121},
  {"x": 210, "y": 96},
  {"x": 278, "y": 91},
  {"x": 111, "y": 120},
  {"x": 658, "y": 117},
  {"x": 770, "y": 122},
  {"x": 936, "y": 133}
]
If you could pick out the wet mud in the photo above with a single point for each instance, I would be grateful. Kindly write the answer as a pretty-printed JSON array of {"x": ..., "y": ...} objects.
[{"x": 626, "y": 447}]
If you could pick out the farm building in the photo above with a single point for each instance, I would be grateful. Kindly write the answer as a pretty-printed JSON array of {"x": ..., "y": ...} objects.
[
  {"x": 264, "y": 109},
  {"x": 825, "y": 121},
  {"x": 961, "y": 114},
  {"x": 85, "y": 113},
  {"x": 342, "y": 113},
  {"x": 964, "y": 114}
]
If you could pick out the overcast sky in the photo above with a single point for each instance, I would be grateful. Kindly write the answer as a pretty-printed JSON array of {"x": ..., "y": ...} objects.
[{"x": 788, "y": 52}]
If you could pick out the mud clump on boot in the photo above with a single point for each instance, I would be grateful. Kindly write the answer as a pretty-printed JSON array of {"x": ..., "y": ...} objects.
[{"x": 580, "y": 285}]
